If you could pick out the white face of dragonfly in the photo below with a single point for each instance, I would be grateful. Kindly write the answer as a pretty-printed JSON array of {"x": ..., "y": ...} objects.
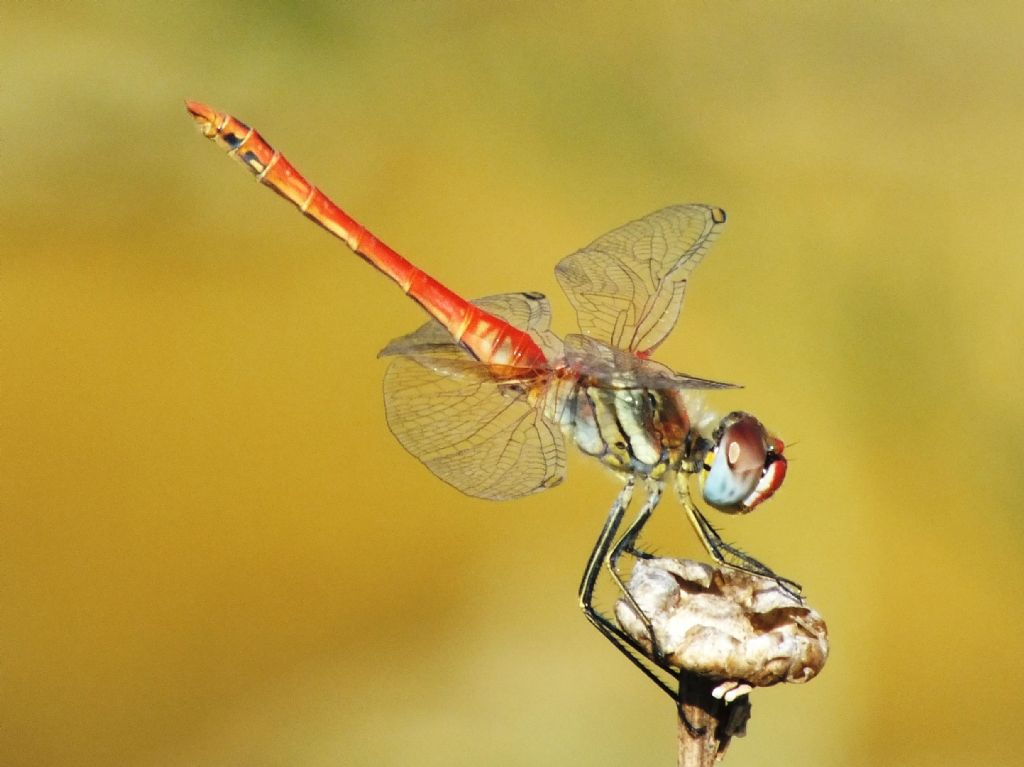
[{"x": 743, "y": 467}]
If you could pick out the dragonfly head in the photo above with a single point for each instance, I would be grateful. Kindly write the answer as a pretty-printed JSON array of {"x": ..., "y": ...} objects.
[{"x": 743, "y": 465}]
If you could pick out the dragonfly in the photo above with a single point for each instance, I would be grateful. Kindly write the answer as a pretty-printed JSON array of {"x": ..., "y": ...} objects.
[{"x": 486, "y": 396}]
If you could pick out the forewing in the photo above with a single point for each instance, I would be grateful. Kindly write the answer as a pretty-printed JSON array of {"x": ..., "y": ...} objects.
[
  {"x": 613, "y": 368},
  {"x": 628, "y": 286}
]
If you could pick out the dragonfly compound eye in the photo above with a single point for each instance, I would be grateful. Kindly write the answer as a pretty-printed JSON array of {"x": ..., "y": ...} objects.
[{"x": 743, "y": 467}]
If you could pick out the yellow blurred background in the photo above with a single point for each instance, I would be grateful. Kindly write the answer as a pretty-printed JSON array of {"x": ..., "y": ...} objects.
[{"x": 214, "y": 553}]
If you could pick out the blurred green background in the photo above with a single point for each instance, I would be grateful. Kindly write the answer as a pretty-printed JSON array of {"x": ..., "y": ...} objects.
[{"x": 214, "y": 553}]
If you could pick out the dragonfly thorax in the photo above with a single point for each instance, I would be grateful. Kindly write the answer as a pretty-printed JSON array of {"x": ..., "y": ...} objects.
[
  {"x": 638, "y": 431},
  {"x": 648, "y": 432}
]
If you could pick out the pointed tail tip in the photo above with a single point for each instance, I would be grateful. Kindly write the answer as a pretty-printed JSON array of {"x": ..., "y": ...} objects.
[{"x": 200, "y": 111}]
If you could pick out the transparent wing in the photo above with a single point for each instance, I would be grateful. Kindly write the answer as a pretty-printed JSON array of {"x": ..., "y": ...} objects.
[
  {"x": 479, "y": 435},
  {"x": 614, "y": 368},
  {"x": 628, "y": 286},
  {"x": 482, "y": 438}
]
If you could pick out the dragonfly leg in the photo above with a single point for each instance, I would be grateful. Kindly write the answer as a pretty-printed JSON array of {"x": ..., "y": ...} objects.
[
  {"x": 598, "y": 558},
  {"x": 725, "y": 553},
  {"x": 626, "y": 544},
  {"x": 604, "y": 542}
]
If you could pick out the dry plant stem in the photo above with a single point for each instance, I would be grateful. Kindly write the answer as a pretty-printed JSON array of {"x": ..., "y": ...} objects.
[{"x": 706, "y": 724}]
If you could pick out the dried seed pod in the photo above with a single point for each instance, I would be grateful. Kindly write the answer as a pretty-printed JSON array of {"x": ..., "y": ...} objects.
[{"x": 724, "y": 623}]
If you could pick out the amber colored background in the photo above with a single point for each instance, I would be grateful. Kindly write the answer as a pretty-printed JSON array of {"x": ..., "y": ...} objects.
[{"x": 213, "y": 552}]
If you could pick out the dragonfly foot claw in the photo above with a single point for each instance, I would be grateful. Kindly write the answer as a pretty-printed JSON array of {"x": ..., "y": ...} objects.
[{"x": 730, "y": 690}]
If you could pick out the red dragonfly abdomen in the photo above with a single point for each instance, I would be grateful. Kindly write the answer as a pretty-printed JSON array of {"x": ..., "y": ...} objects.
[{"x": 507, "y": 349}]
